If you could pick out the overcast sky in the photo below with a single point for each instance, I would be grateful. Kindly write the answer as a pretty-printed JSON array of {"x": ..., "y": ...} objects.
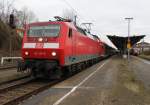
[{"x": 106, "y": 15}]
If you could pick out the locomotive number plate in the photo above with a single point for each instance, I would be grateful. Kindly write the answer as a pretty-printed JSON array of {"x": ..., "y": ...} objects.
[{"x": 39, "y": 45}]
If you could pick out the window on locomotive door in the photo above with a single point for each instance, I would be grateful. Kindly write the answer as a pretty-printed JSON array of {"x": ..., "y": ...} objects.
[{"x": 70, "y": 32}]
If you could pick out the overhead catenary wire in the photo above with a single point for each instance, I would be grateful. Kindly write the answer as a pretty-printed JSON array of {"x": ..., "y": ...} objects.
[
  {"x": 76, "y": 12},
  {"x": 66, "y": 2}
]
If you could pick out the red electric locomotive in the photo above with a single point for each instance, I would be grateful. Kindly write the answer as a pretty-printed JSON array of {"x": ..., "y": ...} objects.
[{"x": 57, "y": 48}]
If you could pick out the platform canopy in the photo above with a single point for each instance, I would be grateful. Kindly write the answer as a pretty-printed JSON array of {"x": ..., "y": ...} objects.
[{"x": 121, "y": 42}]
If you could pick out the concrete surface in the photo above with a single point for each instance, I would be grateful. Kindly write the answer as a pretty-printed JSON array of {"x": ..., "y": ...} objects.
[
  {"x": 110, "y": 82},
  {"x": 141, "y": 68}
]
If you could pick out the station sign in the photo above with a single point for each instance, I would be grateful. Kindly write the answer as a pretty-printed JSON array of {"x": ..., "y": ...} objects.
[{"x": 129, "y": 44}]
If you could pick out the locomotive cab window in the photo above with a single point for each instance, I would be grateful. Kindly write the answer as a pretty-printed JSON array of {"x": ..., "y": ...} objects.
[
  {"x": 51, "y": 30},
  {"x": 70, "y": 32}
]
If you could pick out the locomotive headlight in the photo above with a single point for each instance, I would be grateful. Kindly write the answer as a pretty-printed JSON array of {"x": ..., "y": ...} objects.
[
  {"x": 53, "y": 53},
  {"x": 26, "y": 53},
  {"x": 40, "y": 39}
]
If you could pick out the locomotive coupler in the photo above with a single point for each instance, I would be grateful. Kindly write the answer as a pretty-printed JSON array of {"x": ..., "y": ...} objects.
[{"x": 22, "y": 66}]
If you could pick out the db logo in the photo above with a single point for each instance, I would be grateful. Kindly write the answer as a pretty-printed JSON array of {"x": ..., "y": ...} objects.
[{"x": 39, "y": 45}]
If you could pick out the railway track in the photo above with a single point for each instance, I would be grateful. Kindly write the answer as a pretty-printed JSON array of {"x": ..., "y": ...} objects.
[
  {"x": 12, "y": 94},
  {"x": 13, "y": 83},
  {"x": 16, "y": 92}
]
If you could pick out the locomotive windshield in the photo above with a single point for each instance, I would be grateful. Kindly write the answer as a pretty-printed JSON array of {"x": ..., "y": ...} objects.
[{"x": 44, "y": 31}]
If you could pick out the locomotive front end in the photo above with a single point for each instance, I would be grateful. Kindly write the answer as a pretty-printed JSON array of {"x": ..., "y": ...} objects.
[{"x": 41, "y": 49}]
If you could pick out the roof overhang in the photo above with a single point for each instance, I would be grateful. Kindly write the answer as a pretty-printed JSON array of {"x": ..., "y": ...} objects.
[{"x": 121, "y": 42}]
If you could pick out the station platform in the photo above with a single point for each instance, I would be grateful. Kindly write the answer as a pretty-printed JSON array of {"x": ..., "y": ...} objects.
[{"x": 110, "y": 82}]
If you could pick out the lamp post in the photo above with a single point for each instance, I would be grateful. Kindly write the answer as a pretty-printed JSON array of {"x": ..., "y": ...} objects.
[{"x": 128, "y": 43}]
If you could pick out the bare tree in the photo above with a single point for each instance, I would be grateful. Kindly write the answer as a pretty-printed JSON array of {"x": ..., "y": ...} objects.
[
  {"x": 24, "y": 16},
  {"x": 6, "y": 7}
]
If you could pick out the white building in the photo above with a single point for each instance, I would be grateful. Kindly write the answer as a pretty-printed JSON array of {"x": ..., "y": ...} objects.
[{"x": 142, "y": 46}]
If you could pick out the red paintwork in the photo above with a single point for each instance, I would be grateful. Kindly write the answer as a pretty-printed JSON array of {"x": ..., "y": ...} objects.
[{"x": 77, "y": 45}]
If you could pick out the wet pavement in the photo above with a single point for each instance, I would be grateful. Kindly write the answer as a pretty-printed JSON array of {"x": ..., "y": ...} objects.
[
  {"x": 141, "y": 68},
  {"x": 110, "y": 82}
]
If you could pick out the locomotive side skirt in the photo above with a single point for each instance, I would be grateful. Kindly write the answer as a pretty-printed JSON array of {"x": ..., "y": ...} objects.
[{"x": 76, "y": 59}]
